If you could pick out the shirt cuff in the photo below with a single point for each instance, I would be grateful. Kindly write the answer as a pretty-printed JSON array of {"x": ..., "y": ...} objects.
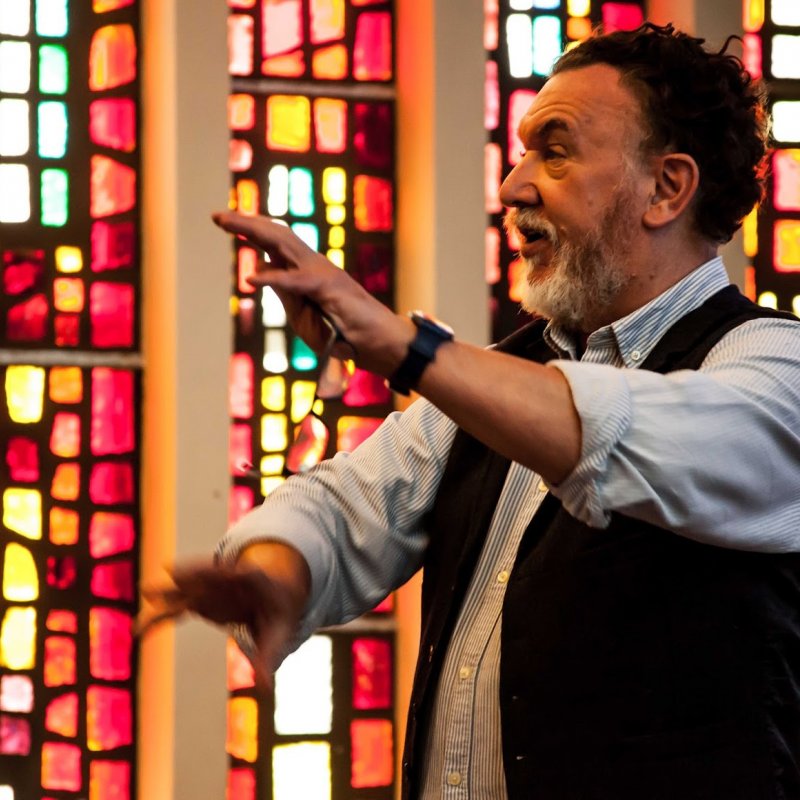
[{"x": 602, "y": 398}]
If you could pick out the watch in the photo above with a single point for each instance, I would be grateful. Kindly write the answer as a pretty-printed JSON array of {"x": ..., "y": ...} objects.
[{"x": 430, "y": 335}]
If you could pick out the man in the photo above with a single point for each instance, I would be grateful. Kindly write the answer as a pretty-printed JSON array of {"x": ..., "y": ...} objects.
[{"x": 606, "y": 505}]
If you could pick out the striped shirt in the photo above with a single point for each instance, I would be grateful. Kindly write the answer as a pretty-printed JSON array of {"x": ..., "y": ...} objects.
[{"x": 713, "y": 454}]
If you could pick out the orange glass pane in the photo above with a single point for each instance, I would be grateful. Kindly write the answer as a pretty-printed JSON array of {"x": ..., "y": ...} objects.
[
  {"x": 247, "y": 197},
  {"x": 113, "y": 187},
  {"x": 330, "y": 63},
  {"x": 240, "y": 385},
  {"x": 330, "y": 125},
  {"x": 351, "y": 431},
  {"x": 578, "y": 28},
  {"x": 66, "y": 483},
  {"x": 61, "y": 715},
  {"x": 62, "y": 621},
  {"x": 786, "y": 169},
  {"x": 100, "y": 6},
  {"x": 786, "y": 244},
  {"x": 241, "y": 3},
  {"x": 240, "y": 670},
  {"x": 240, "y": 155},
  {"x": 64, "y": 524},
  {"x": 110, "y": 534},
  {"x": 110, "y": 643},
  {"x": 109, "y": 718},
  {"x": 112, "y": 57},
  {"x": 282, "y": 26},
  {"x": 241, "y": 112},
  {"x": 327, "y": 20},
  {"x": 61, "y": 767},
  {"x": 109, "y": 780},
  {"x": 291, "y": 65},
  {"x": 112, "y": 411},
  {"x": 248, "y": 260},
  {"x": 240, "y": 44},
  {"x": 289, "y": 123},
  {"x": 372, "y": 54},
  {"x": 242, "y": 735},
  {"x": 65, "y": 437},
  {"x": 373, "y": 206},
  {"x": 59, "y": 661},
  {"x": 66, "y": 385},
  {"x": 112, "y": 123},
  {"x": 372, "y": 753}
]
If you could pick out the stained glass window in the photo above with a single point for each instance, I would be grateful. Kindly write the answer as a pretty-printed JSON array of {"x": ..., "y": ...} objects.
[
  {"x": 311, "y": 116},
  {"x": 70, "y": 391}
]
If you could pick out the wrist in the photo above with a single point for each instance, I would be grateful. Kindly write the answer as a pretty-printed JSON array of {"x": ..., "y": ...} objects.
[{"x": 282, "y": 564}]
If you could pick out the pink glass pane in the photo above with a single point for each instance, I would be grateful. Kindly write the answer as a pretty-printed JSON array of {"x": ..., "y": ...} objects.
[
  {"x": 15, "y": 736},
  {"x": 240, "y": 448},
  {"x": 113, "y": 187},
  {"x": 373, "y": 267},
  {"x": 241, "y": 112},
  {"x": 373, "y": 138},
  {"x": 68, "y": 294},
  {"x": 109, "y": 780},
  {"x": 372, "y": 674},
  {"x": 330, "y": 125},
  {"x": 27, "y": 322},
  {"x": 111, "y": 483},
  {"x": 112, "y": 411},
  {"x": 366, "y": 388},
  {"x": 240, "y": 382},
  {"x": 110, "y": 643},
  {"x": 518, "y": 103},
  {"x": 372, "y": 55},
  {"x": 372, "y": 753},
  {"x": 786, "y": 169},
  {"x": 59, "y": 661},
  {"x": 112, "y": 57},
  {"x": 492, "y": 174},
  {"x": 113, "y": 245},
  {"x": 751, "y": 54},
  {"x": 108, "y": 718},
  {"x": 327, "y": 20},
  {"x": 113, "y": 581},
  {"x": 240, "y": 670},
  {"x": 491, "y": 97},
  {"x": 61, "y": 716},
  {"x": 492, "y": 256},
  {"x": 241, "y": 784},
  {"x": 111, "y": 308},
  {"x": 385, "y": 606},
  {"x": 63, "y": 621},
  {"x": 66, "y": 483},
  {"x": 22, "y": 458},
  {"x": 65, "y": 437},
  {"x": 112, "y": 123},
  {"x": 621, "y": 17},
  {"x": 240, "y": 44},
  {"x": 373, "y": 207},
  {"x": 61, "y": 572},
  {"x": 240, "y": 156},
  {"x": 110, "y": 534},
  {"x": 61, "y": 767},
  {"x": 282, "y": 26},
  {"x": 240, "y": 501},
  {"x": 16, "y": 694},
  {"x": 22, "y": 272},
  {"x": 354, "y": 430}
]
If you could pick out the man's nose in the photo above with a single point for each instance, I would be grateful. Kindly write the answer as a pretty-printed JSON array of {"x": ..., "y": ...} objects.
[{"x": 518, "y": 189}]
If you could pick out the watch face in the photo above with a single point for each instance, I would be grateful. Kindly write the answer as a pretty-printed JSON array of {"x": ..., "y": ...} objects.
[{"x": 420, "y": 318}]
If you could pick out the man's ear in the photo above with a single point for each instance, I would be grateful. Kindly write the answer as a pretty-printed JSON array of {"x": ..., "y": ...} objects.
[{"x": 676, "y": 178}]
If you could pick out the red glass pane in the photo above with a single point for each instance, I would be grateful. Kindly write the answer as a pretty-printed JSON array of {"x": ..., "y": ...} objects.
[
  {"x": 113, "y": 187},
  {"x": 67, "y": 330},
  {"x": 518, "y": 104},
  {"x": 111, "y": 483},
  {"x": 61, "y": 572},
  {"x": 621, "y": 17},
  {"x": 354, "y": 430},
  {"x": 330, "y": 63},
  {"x": 239, "y": 669},
  {"x": 385, "y": 606},
  {"x": 366, "y": 388},
  {"x": 240, "y": 44},
  {"x": 61, "y": 767},
  {"x": 59, "y": 661},
  {"x": 373, "y": 267},
  {"x": 241, "y": 784},
  {"x": 64, "y": 524},
  {"x": 113, "y": 245},
  {"x": 373, "y": 138},
  {"x": 111, "y": 312},
  {"x": 112, "y": 57},
  {"x": 240, "y": 501},
  {"x": 751, "y": 54},
  {"x": 112, "y": 411},
  {"x": 27, "y": 322},
  {"x": 22, "y": 271},
  {"x": 61, "y": 715},
  {"x": 22, "y": 458},
  {"x": 65, "y": 436},
  {"x": 373, "y": 206},
  {"x": 282, "y": 26},
  {"x": 110, "y": 534},
  {"x": 330, "y": 125},
  {"x": 491, "y": 97},
  {"x": 372, "y": 674},
  {"x": 108, "y": 718},
  {"x": 786, "y": 169},
  {"x": 16, "y": 694},
  {"x": 327, "y": 20},
  {"x": 241, "y": 112},
  {"x": 240, "y": 383},
  {"x": 112, "y": 123},
  {"x": 66, "y": 483},
  {"x": 240, "y": 448},
  {"x": 372, "y": 753},
  {"x": 110, "y": 643},
  {"x": 372, "y": 54},
  {"x": 15, "y": 736},
  {"x": 63, "y": 621},
  {"x": 113, "y": 581},
  {"x": 109, "y": 780}
]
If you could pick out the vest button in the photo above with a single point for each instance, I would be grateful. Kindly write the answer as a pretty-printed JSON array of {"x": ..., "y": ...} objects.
[{"x": 502, "y": 577}]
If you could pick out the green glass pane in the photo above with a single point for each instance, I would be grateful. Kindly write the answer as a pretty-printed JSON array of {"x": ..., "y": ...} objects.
[
  {"x": 52, "y": 17},
  {"x": 308, "y": 233},
  {"x": 55, "y": 197},
  {"x": 53, "y": 69},
  {"x": 53, "y": 130},
  {"x": 303, "y": 357},
  {"x": 301, "y": 192}
]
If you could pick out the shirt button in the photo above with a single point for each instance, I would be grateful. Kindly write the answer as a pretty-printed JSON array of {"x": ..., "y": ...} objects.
[
  {"x": 635, "y": 355},
  {"x": 464, "y": 673},
  {"x": 502, "y": 577},
  {"x": 454, "y": 778},
  {"x": 542, "y": 486}
]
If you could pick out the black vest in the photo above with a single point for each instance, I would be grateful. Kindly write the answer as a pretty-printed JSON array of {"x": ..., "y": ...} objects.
[{"x": 636, "y": 664}]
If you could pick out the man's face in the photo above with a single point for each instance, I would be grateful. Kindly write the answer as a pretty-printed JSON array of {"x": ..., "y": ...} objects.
[{"x": 577, "y": 196}]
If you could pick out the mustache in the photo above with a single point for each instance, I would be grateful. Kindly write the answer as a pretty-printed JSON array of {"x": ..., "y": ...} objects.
[{"x": 526, "y": 222}]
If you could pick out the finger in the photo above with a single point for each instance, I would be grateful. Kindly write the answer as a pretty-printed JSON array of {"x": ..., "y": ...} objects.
[
  {"x": 147, "y": 620},
  {"x": 264, "y": 232}
]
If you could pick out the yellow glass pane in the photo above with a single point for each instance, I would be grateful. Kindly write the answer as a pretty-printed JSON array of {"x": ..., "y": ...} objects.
[
  {"x": 301, "y": 770},
  {"x": 20, "y": 578},
  {"x": 335, "y": 214},
  {"x": 750, "y": 233},
  {"x": 25, "y": 393},
  {"x": 289, "y": 123},
  {"x": 272, "y": 465},
  {"x": 270, "y": 484},
  {"x": 786, "y": 245},
  {"x": 69, "y": 259},
  {"x": 336, "y": 257},
  {"x": 64, "y": 525},
  {"x": 753, "y": 15},
  {"x": 247, "y": 197},
  {"x": 22, "y": 512},
  {"x": 336, "y": 236},
  {"x": 273, "y": 393},
  {"x": 329, "y": 63},
  {"x": 18, "y": 638},
  {"x": 578, "y": 8},
  {"x": 302, "y": 397},
  {"x": 66, "y": 385},
  {"x": 242, "y": 738},
  {"x": 768, "y": 300},
  {"x": 334, "y": 185},
  {"x": 274, "y": 434}
]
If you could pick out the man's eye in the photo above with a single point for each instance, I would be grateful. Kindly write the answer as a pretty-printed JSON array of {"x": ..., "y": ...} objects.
[{"x": 551, "y": 155}]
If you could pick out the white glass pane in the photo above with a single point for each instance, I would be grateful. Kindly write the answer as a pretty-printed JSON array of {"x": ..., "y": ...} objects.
[
  {"x": 522, "y": 5},
  {"x": 786, "y": 12},
  {"x": 304, "y": 690},
  {"x": 273, "y": 314},
  {"x": 546, "y": 43},
  {"x": 52, "y": 130},
  {"x": 786, "y": 121},
  {"x": 14, "y": 127},
  {"x": 786, "y": 56},
  {"x": 15, "y": 193},
  {"x": 278, "y": 191},
  {"x": 15, "y": 17},
  {"x": 301, "y": 771},
  {"x": 52, "y": 18},
  {"x": 275, "y": 359},
  {"x": 15, "y": 67},
  {"x": 519, "y": 36}
]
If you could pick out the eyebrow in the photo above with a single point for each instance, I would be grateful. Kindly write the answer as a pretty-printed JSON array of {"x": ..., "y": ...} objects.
[{"x": 552, "y": 124}]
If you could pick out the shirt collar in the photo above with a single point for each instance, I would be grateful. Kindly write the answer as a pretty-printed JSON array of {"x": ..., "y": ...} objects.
[{"x": 636, "y": 334}]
